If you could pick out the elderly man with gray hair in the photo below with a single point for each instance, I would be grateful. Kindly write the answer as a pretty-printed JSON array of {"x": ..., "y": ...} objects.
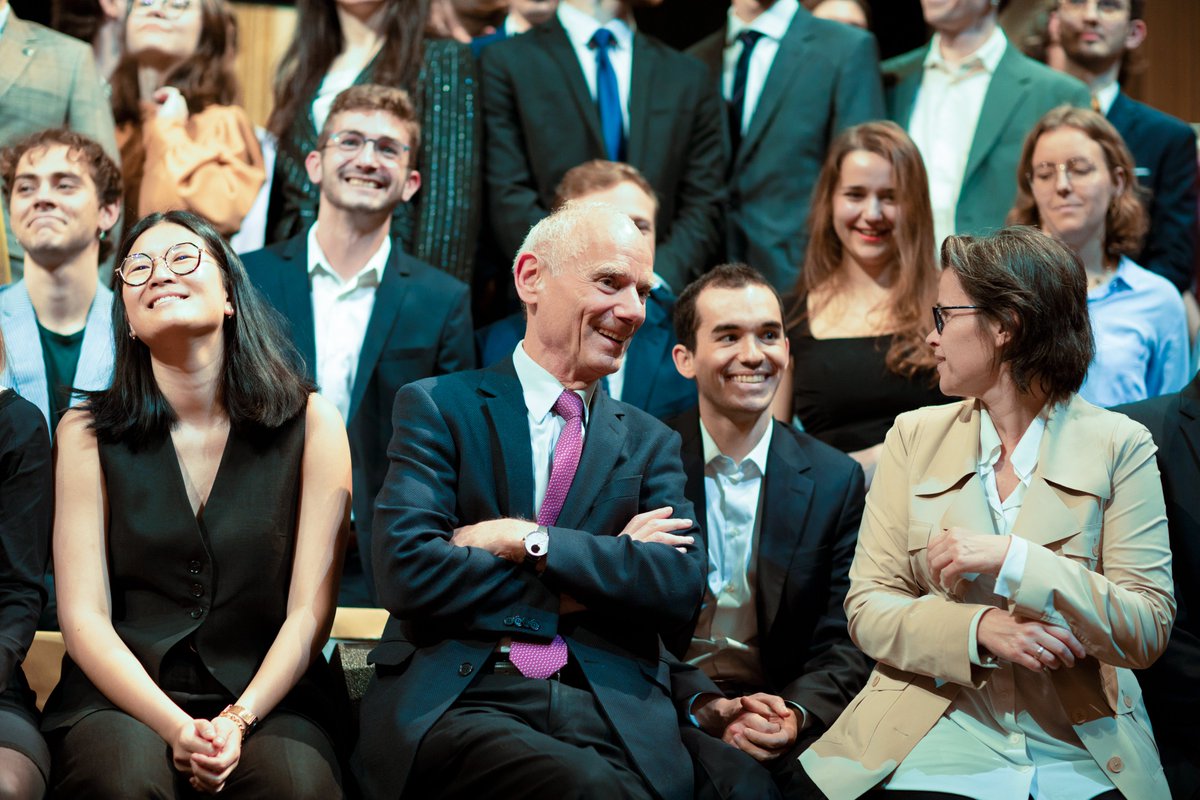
[{"x": 532, "y": 542}]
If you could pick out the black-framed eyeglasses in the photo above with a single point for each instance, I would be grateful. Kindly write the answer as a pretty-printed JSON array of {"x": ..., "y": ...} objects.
[
  {"x": 351, "y": 144},
  {"x": 182, "y": 259},
  {"x": 939, "y": 318},
  {"x": 170, "y": 8}
]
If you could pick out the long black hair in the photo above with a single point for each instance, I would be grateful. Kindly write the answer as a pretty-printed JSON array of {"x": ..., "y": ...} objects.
[
  {"x": 260, "y": 382},
  {"x": 318, "y": 41}
]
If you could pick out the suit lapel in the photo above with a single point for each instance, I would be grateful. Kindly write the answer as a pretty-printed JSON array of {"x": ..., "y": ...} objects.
[
  {"x": 296, "y": 296},
  {"x": 25, "y": 369},
  {"x": 953, "y": 468},
  {"x": 645, "y": 66},
  {"x": 1189, "y": 424},
  {"x": 1006, "y": 92},
  {"x": 904, "y": 91},
  {"x": 692, "y": 454},
  {"x": 646, "y": 353},
  {"x": 96, "y": 351},
  {"x": 784, "y": 70},
  {"x": 504, "y": 408},
  {"x": 389, "y": 296},
  {"x": 604, "y": 441},
  {"x": 789, "y": 492},
  {"x": 711, "y": 51},
  {"x": 561, "y": 51},
  {"x": 18, "y": 46}
]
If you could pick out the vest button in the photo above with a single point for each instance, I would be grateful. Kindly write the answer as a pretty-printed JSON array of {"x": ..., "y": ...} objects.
[
  {"x": 197, "y": 590},
  {"x": 197, "y": 613},
  {"x": 465, "y": 669},
  {"x": 194, "y": 567}
]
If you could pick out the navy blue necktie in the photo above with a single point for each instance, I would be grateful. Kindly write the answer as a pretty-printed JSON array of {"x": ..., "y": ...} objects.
[
  {"x": 608, "y": 98},
  {"x": 737, "y": 98}
]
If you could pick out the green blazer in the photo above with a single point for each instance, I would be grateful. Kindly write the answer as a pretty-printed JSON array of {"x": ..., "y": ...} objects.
[{"x": 1021, "y": 91}]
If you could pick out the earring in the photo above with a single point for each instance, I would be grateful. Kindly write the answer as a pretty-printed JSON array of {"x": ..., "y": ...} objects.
[{"x": 132, "y": 335}]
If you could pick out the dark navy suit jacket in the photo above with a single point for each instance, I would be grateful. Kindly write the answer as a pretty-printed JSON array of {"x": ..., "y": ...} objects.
[
  {"x": 651, "y": 381},
  {"x": 461, "y": 454},
  {"x": 812, "y": 506},
  {"x": 420, "y": 326},
  {"x": 1170, "y": 686},
  {"x": 1164, "y": 150}
]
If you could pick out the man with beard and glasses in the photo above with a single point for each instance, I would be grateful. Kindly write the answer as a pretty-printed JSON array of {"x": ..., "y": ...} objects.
[
  {"x": 366, "y": 317},
  {"x": 1096, "y": 36}
]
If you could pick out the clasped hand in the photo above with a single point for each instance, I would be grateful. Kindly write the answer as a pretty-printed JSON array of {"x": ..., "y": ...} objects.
[
  {"x": 956, "y": 552},
  {"x": 760, "y": 725},
  {"x": 209, "y": 750}
]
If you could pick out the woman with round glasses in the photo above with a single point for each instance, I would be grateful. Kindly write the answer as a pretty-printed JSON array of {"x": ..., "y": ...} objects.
[
  {"x": 26, "y": 507},
  {"x": 1013, "y": 566},
  {"x": 202, "y": 508},
  {"x": 344, "y": 43},
  {"x": 860, "y": 309},
  {"x": 1076, "y": 182},
  {"x": 184, "y": 144}
]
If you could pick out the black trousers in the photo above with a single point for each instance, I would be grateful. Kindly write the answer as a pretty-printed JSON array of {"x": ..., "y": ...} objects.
[
  {"x": 722, "y": 772},
  {"x": 109, "y": 754},
  {"x": 511, "y": 736}
]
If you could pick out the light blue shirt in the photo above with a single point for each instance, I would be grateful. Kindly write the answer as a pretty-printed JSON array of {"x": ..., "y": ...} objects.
[{"x": 1141, "y": 338}]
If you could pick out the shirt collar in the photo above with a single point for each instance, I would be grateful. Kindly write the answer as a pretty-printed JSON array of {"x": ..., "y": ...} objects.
[
  {"x": 772, "y": 23},
  {"x": 541, "y": 389},
  {"x": 1024, "y": 456},
  {"x": 5, "y": 13},
  {"x": 580, "y": 28},
  {"x": 1106, "y": 96},
  {"x": 1128, "y": 277},
  {"x": 987, "y": 56},
  {"x": 370, "y": 275},
  {"x": 757, "y": 456}
]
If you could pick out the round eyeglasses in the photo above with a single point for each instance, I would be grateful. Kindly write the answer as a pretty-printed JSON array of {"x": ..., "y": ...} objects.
[
  {"x": 351, "y": 143},
  {"x": 181, "y": 259},
  {"x": 170, "y": 8}
]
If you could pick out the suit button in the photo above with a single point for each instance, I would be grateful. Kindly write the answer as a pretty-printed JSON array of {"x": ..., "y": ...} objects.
[
  {"x": 1115, "y": 764},
  {"x": 197, "y": 590},
  {"x": 197, "y": 613},
  {"x": 194, "y": 567},
  {"x": 875, "y": 681},
  {"x": 509, "y": 621},
  {"x": 465, "y": 669},
  {"x": 534, "y": 625},
  {"x": 519, "y": 622}
]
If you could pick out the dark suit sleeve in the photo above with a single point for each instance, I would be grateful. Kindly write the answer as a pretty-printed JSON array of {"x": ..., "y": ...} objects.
[
  {"x": 456, "y": 344},
  {"x": 695, "y": 236},
  {"x": 654, "y": 583},
  {"x": 858, "y": 96},
  {"x": 512, "y": 195},
  {"x": 834, "y": 670},
  {"x": 26, "y": 510},
  {"x": 1171, "y": 243},
  {"x": 419, "y": 574}
]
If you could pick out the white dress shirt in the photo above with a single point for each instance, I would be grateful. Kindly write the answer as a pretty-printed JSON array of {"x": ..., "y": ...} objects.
[
  {"x": 580, "y": 28},
  {"x": 1010, "y": 739},
  {"x": 1106, "y": 96},
  {"x": 772, "y": 24},
  {"x": 341, "y": 311},
  {"x": 725, "y": 643},
  {"x": 944, "y": 118},
  {"x": 541, "y": 391}
]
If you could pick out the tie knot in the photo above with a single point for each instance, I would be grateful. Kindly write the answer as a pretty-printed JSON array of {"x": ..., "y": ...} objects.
[
  {"x": 750, "y": 38},
  {"x": 602, "y": 39},
  {"x": 568, "y": 405}
]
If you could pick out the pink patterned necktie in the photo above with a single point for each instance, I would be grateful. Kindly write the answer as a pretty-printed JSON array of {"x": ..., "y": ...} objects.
[{"x": 535, "y": 660}]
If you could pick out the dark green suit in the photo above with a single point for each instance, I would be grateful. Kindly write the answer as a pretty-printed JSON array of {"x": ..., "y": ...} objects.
[{"x": 1021, "y": 91}]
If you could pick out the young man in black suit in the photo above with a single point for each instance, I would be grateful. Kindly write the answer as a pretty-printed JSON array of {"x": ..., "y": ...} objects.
[
  {"x": 1169, "y": 686},
  {"x": 585, "y": 85},
  {"x": 366, "y": 318},
  {"x": 779, "y": 514},
  {"x": 1096, "y": 37},
  {"x": 532, "y": 544}
]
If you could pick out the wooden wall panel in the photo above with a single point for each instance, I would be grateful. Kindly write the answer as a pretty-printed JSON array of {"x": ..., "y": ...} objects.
[
  {"x": 1171, "y": 81},
  {"x": 263, "y": 34}
]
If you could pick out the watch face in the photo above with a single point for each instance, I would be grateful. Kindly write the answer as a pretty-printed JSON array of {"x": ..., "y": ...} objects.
[{"x": 536, "y": 543}]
